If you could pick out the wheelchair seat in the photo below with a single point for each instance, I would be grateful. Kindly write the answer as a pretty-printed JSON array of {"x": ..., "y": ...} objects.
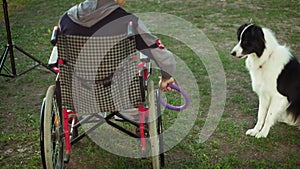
[{"x": 98, "y": 74}]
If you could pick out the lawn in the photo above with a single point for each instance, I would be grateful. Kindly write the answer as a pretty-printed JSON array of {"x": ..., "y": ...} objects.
[{"x": 32, "y": 22}]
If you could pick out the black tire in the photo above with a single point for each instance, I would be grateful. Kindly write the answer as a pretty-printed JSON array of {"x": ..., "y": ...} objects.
[
  {"x": 52, "y": 140},
  {"x": 42, "y": 133},
  {"x": 155, "y": 128},
  {"x": 160, "y": 130}
]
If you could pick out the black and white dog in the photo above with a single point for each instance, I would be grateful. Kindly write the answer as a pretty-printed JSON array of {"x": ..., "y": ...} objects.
[{"x": 275, "y": 75}]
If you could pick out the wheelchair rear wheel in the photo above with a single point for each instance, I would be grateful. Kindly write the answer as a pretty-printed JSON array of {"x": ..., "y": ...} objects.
[
  {"x": 155, "y": 128},
  {"x": 51, "y": 132}
]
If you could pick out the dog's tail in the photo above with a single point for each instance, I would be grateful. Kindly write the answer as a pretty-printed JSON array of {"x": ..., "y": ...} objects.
[{"x": 294, "y": 108}]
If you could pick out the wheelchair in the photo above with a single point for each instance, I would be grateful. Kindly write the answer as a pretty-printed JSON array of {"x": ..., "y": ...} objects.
[{"x": 93, "y": 92}]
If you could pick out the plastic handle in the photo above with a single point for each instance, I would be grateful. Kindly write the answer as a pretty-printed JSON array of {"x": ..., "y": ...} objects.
[
  {"x": 183, "y": 93},
  {"x": 54, "y": 35}
]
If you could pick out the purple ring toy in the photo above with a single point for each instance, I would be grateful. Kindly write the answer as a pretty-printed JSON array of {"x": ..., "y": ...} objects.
[{"x": 183, "y": 93}]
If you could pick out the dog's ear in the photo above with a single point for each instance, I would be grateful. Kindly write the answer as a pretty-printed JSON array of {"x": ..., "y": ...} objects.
[
  {"x": 257, "y": 32},
  {"x": 240, "y": 29}
]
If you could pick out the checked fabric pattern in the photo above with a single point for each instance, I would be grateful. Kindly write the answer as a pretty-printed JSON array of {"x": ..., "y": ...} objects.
[{"x": 98, "y": 74}]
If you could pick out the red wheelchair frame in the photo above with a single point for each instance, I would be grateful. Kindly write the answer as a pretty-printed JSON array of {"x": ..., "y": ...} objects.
[{"x": 59, "y": 127}]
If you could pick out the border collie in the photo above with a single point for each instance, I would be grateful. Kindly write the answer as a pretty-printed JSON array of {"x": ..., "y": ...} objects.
[{"x": 275, "y": 75}]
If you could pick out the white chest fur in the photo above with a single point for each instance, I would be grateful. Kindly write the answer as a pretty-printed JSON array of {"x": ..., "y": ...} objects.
[{"x": 263, "y": 74}]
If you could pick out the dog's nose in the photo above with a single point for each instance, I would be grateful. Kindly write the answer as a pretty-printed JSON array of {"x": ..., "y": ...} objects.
[{"x": 233, "y": 53}]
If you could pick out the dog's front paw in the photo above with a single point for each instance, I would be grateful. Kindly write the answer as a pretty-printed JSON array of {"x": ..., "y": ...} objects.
[
  {"x": 261, "y": 135},
  {"x": 252, "y": 132}
]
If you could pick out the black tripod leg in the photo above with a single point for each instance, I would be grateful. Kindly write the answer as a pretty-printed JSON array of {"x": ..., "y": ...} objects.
[
  {"x": 33, "y": 58},
  {"x": 3, "y": 58},
  {"x": 9, "y": 50},
  {"x": 2, "y": 63},
  {"x": 9, "y": 45}
]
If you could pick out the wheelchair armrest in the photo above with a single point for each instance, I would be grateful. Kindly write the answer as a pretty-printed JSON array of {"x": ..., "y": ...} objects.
[{"x": 54, "y": 35}]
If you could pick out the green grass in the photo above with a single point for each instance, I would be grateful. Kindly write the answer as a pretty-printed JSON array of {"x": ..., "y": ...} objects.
[{"x": 31, "y": 25}]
